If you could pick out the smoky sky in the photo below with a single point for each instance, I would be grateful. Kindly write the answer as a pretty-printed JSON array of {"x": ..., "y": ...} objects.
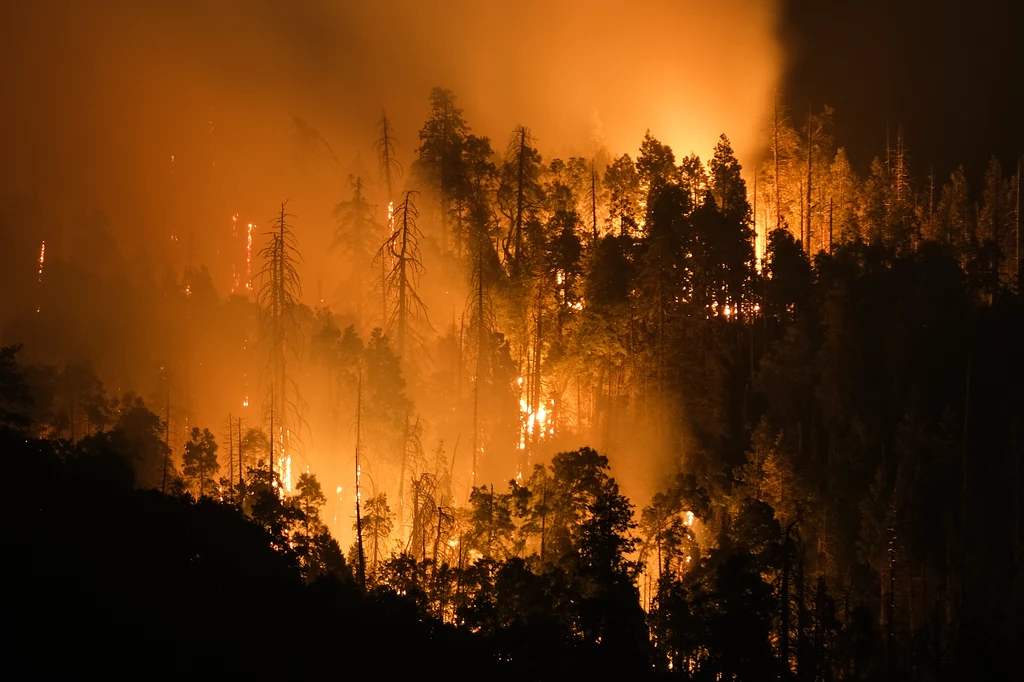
[
  {"x": 951, "y": 73},
  {"x": 101, "y": 95}
]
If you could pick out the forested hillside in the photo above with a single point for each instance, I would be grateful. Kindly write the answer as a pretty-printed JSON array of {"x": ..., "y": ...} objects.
[{"x": 561, "y": 416}]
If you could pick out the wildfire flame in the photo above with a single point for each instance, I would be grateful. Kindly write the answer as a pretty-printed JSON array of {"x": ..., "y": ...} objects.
[{"x": 534, "y": 422}]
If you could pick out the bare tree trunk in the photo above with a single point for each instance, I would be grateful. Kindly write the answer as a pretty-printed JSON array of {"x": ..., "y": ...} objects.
[
  {"x": 273, "y": 436},
  {"x": 480, "y": 339},
  {"x": 810, "y": 156},
  {"x": 361, "y": 557},
  {"x": 167, "y": 440},
  {"x": 402, "y": 288},
  {"x": 401, "y": 474},
  {"x": 240, "y": 459},
  {"x": 519, "y": 193},
  {"x": 1018, "y": 216},
  {"x": 830, "y": 226},
  {"x": 784, "y": 610},
  {"x": 231, "y": 452},
  {"x": 775, "y": 152}
]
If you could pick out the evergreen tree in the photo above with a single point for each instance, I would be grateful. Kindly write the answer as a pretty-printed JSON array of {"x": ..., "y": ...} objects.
[{"x": 199, "y": 462}]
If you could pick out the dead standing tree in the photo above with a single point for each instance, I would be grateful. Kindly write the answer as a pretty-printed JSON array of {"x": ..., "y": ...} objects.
[
  {"x": 402, "y": 249},
  {"x": 277, "y": 300},
  {"x": 390, "y": 170},
  {"x": 388, "y": 166}
]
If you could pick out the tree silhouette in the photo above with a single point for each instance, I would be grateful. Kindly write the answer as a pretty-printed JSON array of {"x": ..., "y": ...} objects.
[
  {"x": 199, "y": 461},
  {"x": 356, "y": 228},
  {"x": 439, "y": 156},
  {"x": 402, "y": 249},
  {"x": 389, "y": 167},
  {"x": 520, "y": 192},
  {"x": 278, "y": 300}
]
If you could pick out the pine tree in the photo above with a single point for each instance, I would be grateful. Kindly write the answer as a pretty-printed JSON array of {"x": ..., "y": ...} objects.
[
  {"x": 439, "y": 163},
  {"x": 200, "y": 461},
  {"x": 355, "y": 229},
  {"x": 623, "y": 183},
  {"x": 519, "y": 194}
]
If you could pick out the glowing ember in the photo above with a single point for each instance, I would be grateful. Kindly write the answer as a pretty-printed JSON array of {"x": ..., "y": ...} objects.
[
  {"x": 42, "y": 258},
  {"x": 248, "y": 258}
]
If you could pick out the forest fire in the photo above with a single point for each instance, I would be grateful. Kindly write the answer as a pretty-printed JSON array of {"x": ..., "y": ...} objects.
[{"x": 625, "y": 356}]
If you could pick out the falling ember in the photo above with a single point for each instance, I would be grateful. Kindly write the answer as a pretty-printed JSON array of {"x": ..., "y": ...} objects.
[
  {"x": 42, "y": 258},
  {"x": 234, "y": 225},
  {"x": 188, "y": 290},
  {"x": 245, "y": 401},
  {"x": 248, "y": 258}
]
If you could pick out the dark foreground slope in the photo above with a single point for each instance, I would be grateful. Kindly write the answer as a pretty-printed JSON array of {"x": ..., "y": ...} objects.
[{"x": 106, "y": 578}]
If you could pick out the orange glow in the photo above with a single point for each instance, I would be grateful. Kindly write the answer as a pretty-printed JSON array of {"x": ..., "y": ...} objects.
[
  {"x": 248, "y": 258},
  {"x": 42, "y": 259}
]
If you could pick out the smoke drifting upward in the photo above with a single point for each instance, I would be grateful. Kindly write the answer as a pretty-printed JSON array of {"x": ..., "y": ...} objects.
[
  {"x": 101, "y": 95},
  {"x": 186, "y": 121}
]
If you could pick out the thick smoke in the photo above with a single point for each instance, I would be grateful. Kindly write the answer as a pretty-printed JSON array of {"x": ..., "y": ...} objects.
[
  {"x": 101, "y": 95},
  {"x": 173, "y": 116}
]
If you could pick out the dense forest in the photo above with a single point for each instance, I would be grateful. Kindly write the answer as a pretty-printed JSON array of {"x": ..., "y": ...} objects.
[{"x": 591, "y": 415}]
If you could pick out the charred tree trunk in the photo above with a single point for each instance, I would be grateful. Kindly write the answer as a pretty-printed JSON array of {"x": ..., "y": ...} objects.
[{"x": 360, "y": 556}]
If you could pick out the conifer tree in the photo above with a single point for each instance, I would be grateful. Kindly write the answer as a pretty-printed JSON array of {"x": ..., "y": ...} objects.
[
  {"x": 402, "y": 248},
  {"x": 278, "y": 301},
  {"x": 200, "y": 461}
]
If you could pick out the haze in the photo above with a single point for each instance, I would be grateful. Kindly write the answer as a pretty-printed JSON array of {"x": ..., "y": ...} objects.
[{"x": 102, "y": 95}]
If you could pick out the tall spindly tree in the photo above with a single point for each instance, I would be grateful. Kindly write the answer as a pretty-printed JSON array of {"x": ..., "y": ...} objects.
[
  {"x": 278, "y": 301},
  {"x": 402, "y": 250}
]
